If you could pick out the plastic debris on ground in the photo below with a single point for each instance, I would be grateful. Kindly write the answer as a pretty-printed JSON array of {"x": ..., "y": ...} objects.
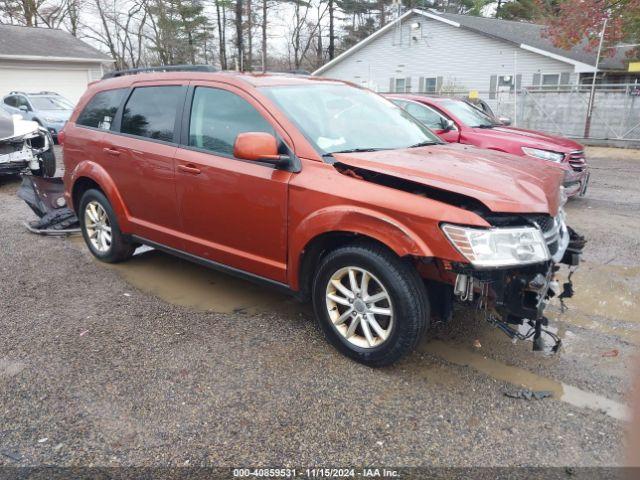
[
  {"x": 526, "y": 394},
  {"x": 45, "y": 196}
]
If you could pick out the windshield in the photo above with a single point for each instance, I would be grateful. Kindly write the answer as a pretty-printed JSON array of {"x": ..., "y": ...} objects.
[
  {"x": 51, "y": 103},
  {"x": 340, "y": 118},
  {"x": 467, "y": 114}
]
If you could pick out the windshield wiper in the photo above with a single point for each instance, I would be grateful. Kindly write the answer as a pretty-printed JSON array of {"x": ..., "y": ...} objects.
[
  {"x": 484, "y": 125},
  {"x": 358, "y": 150},
  {"x": 423, "y": 144}
]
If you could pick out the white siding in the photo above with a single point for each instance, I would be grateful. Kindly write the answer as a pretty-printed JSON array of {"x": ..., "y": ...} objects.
[
  {"x": 466, "y": 60},
  {"x": 69, "y": 79}
]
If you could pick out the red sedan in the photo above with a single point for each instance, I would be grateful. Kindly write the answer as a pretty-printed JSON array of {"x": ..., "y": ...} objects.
[{"x": 456, "y": 121}]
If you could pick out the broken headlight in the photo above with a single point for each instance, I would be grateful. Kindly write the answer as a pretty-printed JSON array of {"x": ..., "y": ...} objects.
[{"x": 498, "y": 247}]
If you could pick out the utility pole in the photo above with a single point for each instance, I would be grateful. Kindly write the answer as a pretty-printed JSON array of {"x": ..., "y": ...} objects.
[
  {"x": 515, "y": 88},
  {"x": 592, "y": 94}
]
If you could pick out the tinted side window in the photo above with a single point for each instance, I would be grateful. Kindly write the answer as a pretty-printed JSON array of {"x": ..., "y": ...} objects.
[
  {"x": 218, "y": 116},
  {"x": 151, "y": 112},
  {"x": 101, "y": 109},
  {"x": 11, "y": 101}
]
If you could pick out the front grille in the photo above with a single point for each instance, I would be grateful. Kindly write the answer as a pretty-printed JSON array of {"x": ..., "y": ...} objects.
[{"x": 577, "y": 160}]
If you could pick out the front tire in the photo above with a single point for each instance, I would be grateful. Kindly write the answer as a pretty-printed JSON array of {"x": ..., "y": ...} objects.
[
  {"x": 100, "y": 228},
  {"x": 47, "y": 162},
  {"x": 371, "y": 305}
]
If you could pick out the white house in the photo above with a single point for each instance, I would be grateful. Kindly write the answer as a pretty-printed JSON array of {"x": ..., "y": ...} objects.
[
  {"x": 432, "y": 52},
  {"x": 43, "y": 59}
]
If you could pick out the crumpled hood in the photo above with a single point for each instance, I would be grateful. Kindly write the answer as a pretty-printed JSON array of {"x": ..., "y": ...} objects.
[
  {"x": 12, "y": 126},
  {"x": 530, "y": 138},
  {"x": 502, "y": 182}
]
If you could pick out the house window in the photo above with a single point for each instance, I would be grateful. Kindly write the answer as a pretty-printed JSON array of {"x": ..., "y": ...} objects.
[
  {"x": 400, "y": 85},
  {"x": 550, "y": 81},
  {"x": 430, "y": 84},
  {"x": 505, "y": 83}
]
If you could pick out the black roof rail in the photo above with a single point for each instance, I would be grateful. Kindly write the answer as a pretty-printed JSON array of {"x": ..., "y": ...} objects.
[{"x": 162, "y": 68}]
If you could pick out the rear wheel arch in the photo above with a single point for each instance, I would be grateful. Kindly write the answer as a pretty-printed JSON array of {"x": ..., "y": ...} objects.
[
  {"x": 89, "y": 174},
  {"x": 81, "y": 185}
]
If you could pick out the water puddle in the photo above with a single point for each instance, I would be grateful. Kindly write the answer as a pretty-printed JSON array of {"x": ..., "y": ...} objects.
[
  {"x": 184, "y": 283},
  {"x": 518, "y": 376},
  {"x": 608, "y": 291}
]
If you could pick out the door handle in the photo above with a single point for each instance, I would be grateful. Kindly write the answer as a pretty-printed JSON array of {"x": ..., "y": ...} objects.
[
  {"x": 111, "y": 151},
  {"x": 189, "y": 169}
]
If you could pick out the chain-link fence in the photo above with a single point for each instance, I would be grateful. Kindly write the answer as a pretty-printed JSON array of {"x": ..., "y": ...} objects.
[{"x": 563, "y": 110}]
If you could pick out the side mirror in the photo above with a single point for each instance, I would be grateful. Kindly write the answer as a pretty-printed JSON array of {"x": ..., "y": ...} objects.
[
  {"x": 24, "y": 108},
  {"x": 259, "y": 147},
  {"x": 504, "y": 120},
  {"x": 447, "y": 125}
]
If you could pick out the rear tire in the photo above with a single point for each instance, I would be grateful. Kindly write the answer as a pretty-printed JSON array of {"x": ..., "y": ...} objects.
[
  {"x": 100, "y": 228},
  {"x": 368, "y": 285}
]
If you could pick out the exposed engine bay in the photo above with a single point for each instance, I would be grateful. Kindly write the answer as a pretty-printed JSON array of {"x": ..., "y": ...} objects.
[{"x": 25, "y": 146}]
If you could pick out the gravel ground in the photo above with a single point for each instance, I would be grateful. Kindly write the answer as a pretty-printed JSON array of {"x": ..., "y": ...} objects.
[{"x": 158, "y": 362}]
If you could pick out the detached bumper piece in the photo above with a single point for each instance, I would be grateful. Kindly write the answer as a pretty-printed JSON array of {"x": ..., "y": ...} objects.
[
  {"x": 45, "y": 196},
  {"x": 519, "y": 296}
]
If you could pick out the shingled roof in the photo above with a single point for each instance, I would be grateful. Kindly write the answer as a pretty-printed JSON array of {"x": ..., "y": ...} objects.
[
  {"x": 533, "y": 35},
  {"x": 526, "y": 35},
  {"x": 35, "y": 43}
]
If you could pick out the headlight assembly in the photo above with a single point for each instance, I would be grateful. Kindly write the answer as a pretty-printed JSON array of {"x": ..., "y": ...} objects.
[
  {"x": 543, "y": 154},
  {"x": 498, "y": 247}
]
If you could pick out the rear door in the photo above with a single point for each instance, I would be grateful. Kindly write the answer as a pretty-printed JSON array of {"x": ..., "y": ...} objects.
[
  {"x": 140, "y": 159},
  {"x": 233, "y": 211}
]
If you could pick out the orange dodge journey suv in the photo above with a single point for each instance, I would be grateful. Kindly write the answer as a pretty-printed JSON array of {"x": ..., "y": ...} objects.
[{"x": 322, "y": 189}]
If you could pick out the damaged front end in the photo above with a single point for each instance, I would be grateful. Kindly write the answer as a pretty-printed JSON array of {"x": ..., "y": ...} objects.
[
  {"x": 25, "y": 146},
  {"x": 519, "y": 294},
  {"x": 512, "y": 264}
]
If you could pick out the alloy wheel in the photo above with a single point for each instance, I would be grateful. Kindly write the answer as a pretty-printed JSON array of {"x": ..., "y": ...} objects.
[
  {"x": 98, "y": 227},
  {"x": 359, "y": 307}
]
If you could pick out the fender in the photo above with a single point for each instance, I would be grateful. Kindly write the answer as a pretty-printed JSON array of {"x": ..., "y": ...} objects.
[
  {"x": 349, "y": 219},
  {"x": 93, "y": 171}
]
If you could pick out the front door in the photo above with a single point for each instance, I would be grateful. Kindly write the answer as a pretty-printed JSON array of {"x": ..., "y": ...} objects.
[
  {"x": 434, "y": 120},
  {"x": 233, "y": 211}
]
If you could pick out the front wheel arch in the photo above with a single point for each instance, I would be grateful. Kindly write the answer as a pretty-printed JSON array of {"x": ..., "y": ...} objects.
[{"x": 321, "y": 245}]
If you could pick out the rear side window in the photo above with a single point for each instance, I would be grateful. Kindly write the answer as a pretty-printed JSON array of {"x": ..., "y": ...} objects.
[
  {"x": 218, "y": 116},
  {"x": 101, "y": 109},
  {"x": 151, "y": 112}
]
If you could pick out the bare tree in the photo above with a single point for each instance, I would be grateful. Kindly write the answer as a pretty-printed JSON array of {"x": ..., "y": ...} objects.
[
  {"x": 221, "y": 19},
  {"x": 332, "y": 31},
  {"x": 239, "y": 35},
  {"x": 265, "y": 8},
  {"x": 302, "y": 33},
  {"x": 22, "y": 12}
]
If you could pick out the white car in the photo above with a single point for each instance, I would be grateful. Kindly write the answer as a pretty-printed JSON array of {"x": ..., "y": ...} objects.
[{"x": 25, "y": 145}]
